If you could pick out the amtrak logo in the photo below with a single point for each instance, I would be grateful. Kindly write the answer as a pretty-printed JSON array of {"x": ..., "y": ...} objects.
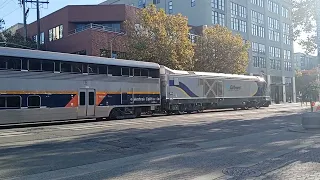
[{"x": 234, "y": 88}]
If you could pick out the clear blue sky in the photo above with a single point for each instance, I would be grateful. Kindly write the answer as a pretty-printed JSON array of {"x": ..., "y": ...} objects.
[{"x": 11, "y": 11}]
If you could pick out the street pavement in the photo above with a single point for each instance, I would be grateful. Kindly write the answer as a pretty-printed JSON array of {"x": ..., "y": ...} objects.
[{"x": 252, "y": 144}]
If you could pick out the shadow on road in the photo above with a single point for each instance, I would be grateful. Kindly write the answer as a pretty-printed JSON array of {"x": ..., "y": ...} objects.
[{"x": 42, "y": 157}]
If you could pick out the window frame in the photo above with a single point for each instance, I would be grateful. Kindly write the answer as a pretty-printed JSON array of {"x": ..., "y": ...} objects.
[{"x": 34, "y": 106}]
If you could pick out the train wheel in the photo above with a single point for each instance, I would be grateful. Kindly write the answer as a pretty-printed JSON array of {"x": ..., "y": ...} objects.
[{"x": 236, "y": 109}]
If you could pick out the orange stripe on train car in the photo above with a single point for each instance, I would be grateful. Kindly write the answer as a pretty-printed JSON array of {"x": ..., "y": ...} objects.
[
  {"x": 73, "y": 102},
  {"x": 99, "y": 97}
]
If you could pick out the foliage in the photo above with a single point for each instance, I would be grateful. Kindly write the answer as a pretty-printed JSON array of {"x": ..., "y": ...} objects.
[
  {"x": 304, "y": 22},
  {"x": 157, "y": 37},
  {"x": 1, "y": 24},
  {"x": 307, "y": 85},
  {"x": 15, "y": 40},
  {"x": 218, "y": 50}
]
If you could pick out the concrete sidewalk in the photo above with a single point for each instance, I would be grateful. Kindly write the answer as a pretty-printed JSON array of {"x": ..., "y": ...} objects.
[{"x": 276, "y": 154}]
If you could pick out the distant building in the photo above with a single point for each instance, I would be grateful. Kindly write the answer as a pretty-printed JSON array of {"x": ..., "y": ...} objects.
[
  {"x": 83, "y": 29},
  {"x": 305, "y": 62},
  {"x": 266, "y": 24},
  {"x": 13, "y": 29}
]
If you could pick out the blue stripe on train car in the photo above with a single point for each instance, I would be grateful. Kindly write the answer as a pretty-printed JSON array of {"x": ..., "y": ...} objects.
[
  {"x": 129, "y": 99},
  {"x": 183, "y": 87}
]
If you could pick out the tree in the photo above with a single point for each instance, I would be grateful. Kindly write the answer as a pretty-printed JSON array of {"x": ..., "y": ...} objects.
[
  {"x": 157, "y": 37},
  {"x": 304, "y": 17},
  {"x": 1, "y": 24},
  {"x": 307, "y": 85},
  {"x": 8, "y": 39},
  {"x": 218, "y": 50}
]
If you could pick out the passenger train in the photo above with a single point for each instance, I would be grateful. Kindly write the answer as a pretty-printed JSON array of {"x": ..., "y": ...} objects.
[{"x": 38, "y": 86}]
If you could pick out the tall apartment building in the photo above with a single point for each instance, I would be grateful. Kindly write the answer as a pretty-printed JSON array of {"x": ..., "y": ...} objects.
[
  {"x": 305, "y": 61},
  {"x": 266, "y": 24}
]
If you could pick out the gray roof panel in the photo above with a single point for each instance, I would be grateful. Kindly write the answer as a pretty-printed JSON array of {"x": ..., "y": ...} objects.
[{"x": 5, "y": 51}]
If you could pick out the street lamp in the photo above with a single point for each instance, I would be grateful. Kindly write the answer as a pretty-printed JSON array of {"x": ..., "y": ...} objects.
[{"x": 113, "y": 38}]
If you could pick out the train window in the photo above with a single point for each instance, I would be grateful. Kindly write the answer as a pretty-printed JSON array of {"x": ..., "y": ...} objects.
[
  {"x": 103, "y": 69},
  {"x": 2, "y": 102},
  {"x": 14, "y": 63},
  {"x": 57, "y": 66},
  {"x": 34, "y": 101},
  {"x": 76, "y": 68},
  {"x": 114, "y": 70},
  {"x": 137, "y": 72},
  {"x": 154, "y": 73},
  {"x": 25, "y": 64},
  {"x": 3, "y": 63},
  {"x": 91, "y": 98},
  {"x": 13, "y": 101},
  {"x": 48, "y": 65},
  {"x": 125, "y": 71},
  {"x": 65, "y": 67},
  {"x": 84, "y": 68},
  {"x": 93, "y": 69},
  {"x": 145, "y": 72},
  {"x": 82, "y": 98},
  {"x": 34, "y": 65}
]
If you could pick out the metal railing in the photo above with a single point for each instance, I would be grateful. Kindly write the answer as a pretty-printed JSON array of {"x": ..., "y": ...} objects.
[{"x": 97, "y": 27}]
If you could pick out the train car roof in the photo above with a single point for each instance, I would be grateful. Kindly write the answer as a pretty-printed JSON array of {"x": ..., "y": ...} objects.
[
  {"x": 210, "y": 74},
  {"x": 47, "y": 55}
]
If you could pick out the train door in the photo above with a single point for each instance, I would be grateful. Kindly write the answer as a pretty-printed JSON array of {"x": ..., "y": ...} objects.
[{"x": 87, "y": 99}]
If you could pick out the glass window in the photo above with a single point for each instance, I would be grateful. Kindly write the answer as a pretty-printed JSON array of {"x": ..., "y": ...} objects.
[
  {"x": 103, "y": 69},
  {"x": 193, "y": 3},
  {"x": 65, "y": 67},
  {"x": 2, "y": 102},
  {"x": 48, "y": 65},
  {"x": 137, "y": 72},
  {"x": 82, "y": 98},
  {"x": 13, "y": 101},
  {"x": 85, "y": 68},
  {"x": 125, "y": 71},
  {"x": 114, "y": 70},
  {"x": 14, "y": 63},
  {"x": 34, "y": 65},
  {"x": 76, "y": 67},
  {"x": 155, "y": 73},
  {"x": 57, "y": 66},
  {"x": 3, "y": 62},
  {"x": 93, "y": 69},
  {"x": 25, "y": 63},
  {"x": 170, "y": 7},
  {"x": 56, "y": 33},
  {"x": 145, "y": 72},
  {"x": 34, "y": 101},
  {"x": 91, "y": 98}
]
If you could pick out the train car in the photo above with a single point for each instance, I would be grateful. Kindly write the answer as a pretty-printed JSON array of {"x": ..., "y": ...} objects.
[
  {"x": 46, "y": 86},
  {"x": 185, "y": 91}
]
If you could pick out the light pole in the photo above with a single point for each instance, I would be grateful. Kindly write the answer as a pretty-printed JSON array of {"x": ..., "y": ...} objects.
[{"x": 111, "y": 41}]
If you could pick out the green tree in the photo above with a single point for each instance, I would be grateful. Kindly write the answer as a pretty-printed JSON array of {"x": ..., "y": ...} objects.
[
  {"x": 304, "y": 16},
  {"x": 307, "y": 85},
  {"x": 218, "y": 50},
  {"x": 8, "y": 39},
  {"x": 157, "y": 37}
]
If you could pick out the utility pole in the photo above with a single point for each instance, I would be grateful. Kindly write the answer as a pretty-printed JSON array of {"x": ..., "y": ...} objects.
[
  {"x": 38, "y": 18},
  {"x": 24, "y": 20}
]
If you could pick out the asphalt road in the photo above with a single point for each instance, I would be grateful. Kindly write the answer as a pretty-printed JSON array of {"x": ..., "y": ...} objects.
[{"x": 200, "y": 146}]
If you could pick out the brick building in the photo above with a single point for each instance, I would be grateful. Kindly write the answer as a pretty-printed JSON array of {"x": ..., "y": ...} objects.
[{"x": 84, "y": 29}]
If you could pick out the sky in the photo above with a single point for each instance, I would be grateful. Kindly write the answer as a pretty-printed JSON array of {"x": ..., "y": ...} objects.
[{"x": 11, "y": 11}]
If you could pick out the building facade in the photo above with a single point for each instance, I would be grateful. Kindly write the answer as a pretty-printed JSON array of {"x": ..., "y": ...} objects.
[
  {"x": 84, "y": 29},
  {"x": 305, "y": 62},
  {"x": 266, "y": 24}
]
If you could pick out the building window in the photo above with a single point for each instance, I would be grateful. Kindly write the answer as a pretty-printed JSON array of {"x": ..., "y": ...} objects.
[
  {"x": 218, "y": 18},
  {"x": 273, "y": 7},
  {"x": 234, "y": 9},
  {"x": 217, "y": 4},
  {"x": 287, "y": 66},
  {"x": 262, "y": 62},
  {"x": 238, "y": 25},
  {"x": 286, "y": 54},
  {"x": 278, "y": 65},
  {"x": 273, "y": 23},
  {"x": 274, "y": 36},
  {"x": 274, "y": 52},
  {"x": 262, "y": 49},
  {"x": 258, "y": 2},
  {"x": 56, "y": 33},
  {"x": 259, "y": 62},
  {"x": 35, "y": 38},
  {"x": 272, "y": 63},
  {"x": 286, "y": 28},
  {"x": 257, "y": 30},
  {"x": 257, "y": 18},
  {"x": 156, "y": 1},
  {"x": 170, "y": 7},
  {"x": 256, "y": 61},
  {"x": 286, "y": 39},
  {"x": 142, "y": 3},
  {"x": 255, "y": 47},
  {"x": 285, "y": 12},
  {"x": 238, "y": 10},
  {"x": 193, "y": 3}
]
